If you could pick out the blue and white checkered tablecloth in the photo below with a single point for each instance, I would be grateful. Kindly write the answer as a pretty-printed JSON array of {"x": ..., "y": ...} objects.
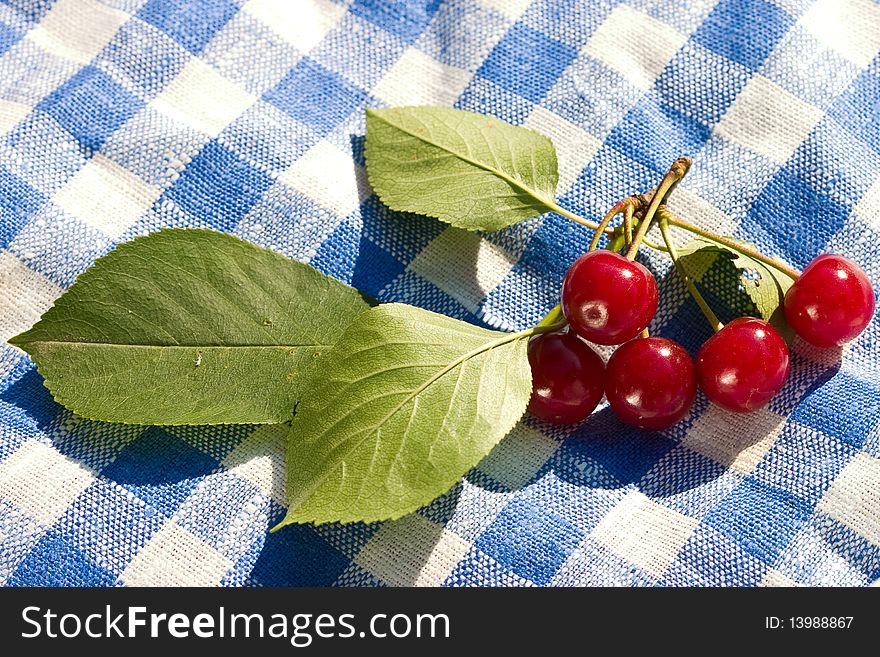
[{"x": 118, "y": 117}]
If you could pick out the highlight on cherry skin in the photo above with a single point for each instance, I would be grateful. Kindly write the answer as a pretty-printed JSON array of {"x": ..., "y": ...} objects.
[
  {"x": 608, "y": 299},
  {"x": 650, "y": 383},
  {"x": 568, "y": 378},
  {"x": 743, "y": 365},
  {"x": 831, "y": 302}
]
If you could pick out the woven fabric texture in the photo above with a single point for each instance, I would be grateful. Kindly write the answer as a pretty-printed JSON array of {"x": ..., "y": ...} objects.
[{"x": 118, "y": 117}]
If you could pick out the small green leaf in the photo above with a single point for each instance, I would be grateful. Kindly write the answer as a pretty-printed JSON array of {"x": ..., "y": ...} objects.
[
  {"x": 764, "y": 286},
  {"x": 189, "y": 327},
  {"x": 407, "y": 402},
  {"x": 472, "y": 171}
]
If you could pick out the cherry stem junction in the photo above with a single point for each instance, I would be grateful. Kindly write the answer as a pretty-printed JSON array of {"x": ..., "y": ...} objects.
[{"x": 676, "y": 172}]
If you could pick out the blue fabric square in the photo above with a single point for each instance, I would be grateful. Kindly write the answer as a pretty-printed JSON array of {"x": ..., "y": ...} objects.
[
  {"x": 744, "y": 30},
  {"x": 91, "y": 106},
  {"x": 218, "y": 187},
  {"x": 60, "y": 263},
  {"x": 843, "y": 406},
  {"x": 149, "y": 57},
  {"x": 160, "y": 469},
  {"x": 54, "y": 561},
  {"x": 689, "y": 482},
  {"x": 8, "y": 37},
  {"x": 405, "y": 18},
  {"x": 316, "y": 97},
  {"x": 297, "y": 556},
  {"x": 213, "y": 512},
  {"x": 192, "y": 24},
  {"x": 479, "y": 569},
  {"x": 402, "y": 235},
  {"x": 655, "y": 135},
  {"x": 701, "y": 83},
  {"x": 810, "y": 70},
  {"x": 529, "y": 540},
  {"x": 858, "y": 108},
  {"x": 30, "y": 395},
  {"x": 18, "y": 203},
  {"x": 374, "y": 268},
  {"x": 289, "y": 139},
  {"x": 29, "y": 11},
  {"x": 358, "y": 51},
  {"x": 761, "y": 518},
  {"x": 729, "y": 563},
  {"x": 570, "y": 21},
  {"x": 592, "y": 96},
  {"x": 624, "y": 453},
  {"x": 447, "y": 43},
  {"x": 527, "y": 62},
  {"x": 800, "y": 235},
  {"x": 804, "y": 461},
  {"x": 109, "y": 525}
]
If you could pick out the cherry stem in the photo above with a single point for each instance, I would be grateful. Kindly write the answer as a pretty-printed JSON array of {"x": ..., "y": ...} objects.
[
  {"x": 558, "y": 209},
  {"x": 553, "y": 318},
  {"x": 711, "y": 317},
  {"x": 776, "y": 264},
  {"x": 676, "y": 172},
  {"x": 603, "y": 225},
  {"x": 628, "y": 223}
]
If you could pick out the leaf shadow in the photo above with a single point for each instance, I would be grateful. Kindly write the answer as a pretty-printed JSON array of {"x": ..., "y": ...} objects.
[{"x": 425, "y": 262}]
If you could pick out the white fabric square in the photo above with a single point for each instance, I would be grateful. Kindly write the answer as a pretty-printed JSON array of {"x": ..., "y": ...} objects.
[
  {"x": 767, "y": 119},
  {"x": 42, "y": 482},
  {"x": 854, "y": 497},
  {"x": 11, "y": 114},
  {"x": 518, "y": 457},
  {"x": 106, "y": 196},
  {"x": 644, "y": 532},
  {"x": 93, "y": 24},
  {"x": 329, "y": 177},
  {"x": 418, "y": 79},
  {"x": 302, "y": 23},
  {"x": 774, "y": 579},
  {"x": 574, "y": 147},
  {"x": 736, "y": 440},
  {"x": 699, "y": 211},
  {"x": 203, "y": 99},
  {"x": 482, "y": 265},
  {"x": 621, "y": 44},
  {"x": 174, "y": 557},
  {"x": 850, "y": 27},
  {"x": 259, "y": 459},
  {"x": 511, "y": 9},
  {"x": 412, "y": 551},
  {"x": 26, "y": 295}
]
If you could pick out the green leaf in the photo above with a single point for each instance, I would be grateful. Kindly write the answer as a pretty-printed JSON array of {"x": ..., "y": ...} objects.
[
  {"x": 469, "y": 170},
  {"x": 408, "y": 401},
  {"x": 189, "y": 327},
  {"x": 764, "y": 286}
]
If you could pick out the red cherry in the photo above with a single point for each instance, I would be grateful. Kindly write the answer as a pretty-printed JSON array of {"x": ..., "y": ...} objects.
[
  {"x": 743, "y": 365},
  {"x": 650, "y": 383},
  {"x": 608, "y": 299},
  {"x": 831, "y": 303},
  {"x": 568, "y": 378}
]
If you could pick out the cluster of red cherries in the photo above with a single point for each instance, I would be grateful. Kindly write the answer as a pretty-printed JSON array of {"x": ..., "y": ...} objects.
[{"x": 651, "y": 382}]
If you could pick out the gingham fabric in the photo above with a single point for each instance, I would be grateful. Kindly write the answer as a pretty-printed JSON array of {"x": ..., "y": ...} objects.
[{"x": 119, "y": 117}]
